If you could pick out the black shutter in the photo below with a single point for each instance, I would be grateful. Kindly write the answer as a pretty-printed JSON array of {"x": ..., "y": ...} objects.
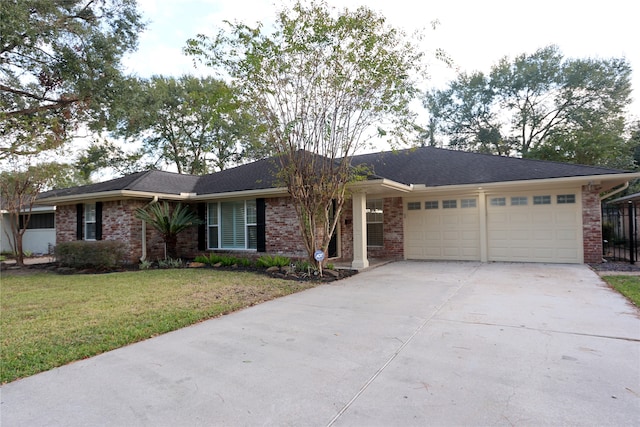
[
  {"x": 202, "y": 227},
  {"x": 98, "y": 220},
  {"x": 261, "y": 225},
  {"x": 79, "y": 216}
]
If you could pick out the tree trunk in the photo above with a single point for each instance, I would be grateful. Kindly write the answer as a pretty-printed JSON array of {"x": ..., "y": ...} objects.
[{"x": 172, "y": 247}]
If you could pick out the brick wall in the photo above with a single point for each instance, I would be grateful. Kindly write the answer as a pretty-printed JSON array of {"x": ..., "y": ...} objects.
[
  {"x": 65, "y": 223},
  {"x": 119, "y": 223},
  {"x": 282, "y": 228},
  {"x": 592, "y": 224}
]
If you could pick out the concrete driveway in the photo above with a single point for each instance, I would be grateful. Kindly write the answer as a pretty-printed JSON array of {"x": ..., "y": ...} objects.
[{"x": 409, "y": 343}]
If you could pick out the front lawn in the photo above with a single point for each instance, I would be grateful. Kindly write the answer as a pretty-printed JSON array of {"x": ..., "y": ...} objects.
[
  {"x": 629, "y": 286},
  {"x": 49, "y": 320}
]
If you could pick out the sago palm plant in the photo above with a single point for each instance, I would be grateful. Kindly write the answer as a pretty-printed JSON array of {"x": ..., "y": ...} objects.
[{"x": 169, "y": 222}]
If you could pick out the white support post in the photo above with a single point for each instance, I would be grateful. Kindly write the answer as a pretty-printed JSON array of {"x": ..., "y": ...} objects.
[{"x": 360, "y": 231}]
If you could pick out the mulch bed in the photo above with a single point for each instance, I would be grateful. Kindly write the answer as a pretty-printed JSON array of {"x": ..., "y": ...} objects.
[
  {"x": 616, "y": 266},
  {"x": 52, "y": 267}
]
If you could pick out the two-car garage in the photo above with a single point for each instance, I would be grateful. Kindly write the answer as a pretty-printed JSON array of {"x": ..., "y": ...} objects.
[{"x": 544, "y": 226}]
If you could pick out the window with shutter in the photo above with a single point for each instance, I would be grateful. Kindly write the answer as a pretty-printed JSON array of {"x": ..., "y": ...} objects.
[
  {"x": 232, "y": 225},
  {"x": 90, "y": 221}
]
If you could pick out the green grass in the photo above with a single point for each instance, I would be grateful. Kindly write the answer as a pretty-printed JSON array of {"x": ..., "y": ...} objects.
[
  {"x": 49, "y": 320},
  {"x": 629, "y": 286}
]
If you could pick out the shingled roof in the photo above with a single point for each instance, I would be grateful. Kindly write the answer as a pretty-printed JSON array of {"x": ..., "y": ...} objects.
[
  {"x": 147, "y": 181},
  {"x": 427, "y": 165},
  {"x": 437, "y": 167}
]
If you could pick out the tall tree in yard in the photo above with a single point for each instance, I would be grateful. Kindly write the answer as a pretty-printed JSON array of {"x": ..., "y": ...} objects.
[
  {"x": 324, "y": 84},
  {"x": 540, "y": 105},
  {"x": 195, "y": 124},
  {"x": 59, "y": 68}
]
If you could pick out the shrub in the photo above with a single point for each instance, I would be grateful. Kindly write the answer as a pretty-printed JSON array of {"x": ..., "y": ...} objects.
[
  {"x": 224, "y": 260},
  {"x": 170, "y": 263},
  {"x": 145, "y": 265},
  {"x": 273, "y": 261},
  {"x": 100, "y": 254}
]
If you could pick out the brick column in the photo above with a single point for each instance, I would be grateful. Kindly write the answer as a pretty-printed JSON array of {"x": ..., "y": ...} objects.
[{"x": 591, "y": 224}]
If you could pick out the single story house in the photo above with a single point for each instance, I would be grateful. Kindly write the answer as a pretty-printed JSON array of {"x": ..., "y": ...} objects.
[
  {"x": 40, "y": 236},
  {"x": 423, "y": 204}
]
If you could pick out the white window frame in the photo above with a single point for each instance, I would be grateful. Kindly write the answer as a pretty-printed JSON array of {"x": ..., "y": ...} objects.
[
  {"x": 519, "y": 200},
  {"x": 468, "y": 203},
  {"x": 89, "y": 220},
  {"x": 432, "y": 204},
  {"x": 542, "y": 200},
  {"x": 498, "y": 201},
  {"x": 565, "y": 199},
  {"x": 217, "y": 225}
]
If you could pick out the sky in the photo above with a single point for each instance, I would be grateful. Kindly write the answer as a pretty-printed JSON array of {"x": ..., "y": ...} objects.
[{"x": 475, "y": 34}]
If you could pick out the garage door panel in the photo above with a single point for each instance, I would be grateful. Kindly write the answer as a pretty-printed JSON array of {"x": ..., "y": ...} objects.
[
  {"x": 569, "y": 235},
  {"x": 450, "y": 220},
  {"x": 534, "y": 233},
  {"x": 541, "y": 217},
  {"x": 447, "y": 234},
  {"x": 518, "y": 218}
]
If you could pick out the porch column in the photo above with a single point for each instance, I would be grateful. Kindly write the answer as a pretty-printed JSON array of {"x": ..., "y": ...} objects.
[
  {"x": 359, "y": 231},
  {"x": 482, "y": 207}
]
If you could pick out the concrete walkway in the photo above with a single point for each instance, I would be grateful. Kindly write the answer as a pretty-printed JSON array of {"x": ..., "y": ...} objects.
[{"x": 408, "y": 343}]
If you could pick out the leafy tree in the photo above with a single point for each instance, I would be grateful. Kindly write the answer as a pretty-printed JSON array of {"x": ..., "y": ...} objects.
[
  {"x": 169, "y": 222},
  {"x": 323, "y": 84},
  {"x": 59, "y": 67},
  {"x": 103, "y": 155},
  {"x": 537, "y": 105},
  {"x": 19, "y": 189},
  {"x": 196, "y": 124}
]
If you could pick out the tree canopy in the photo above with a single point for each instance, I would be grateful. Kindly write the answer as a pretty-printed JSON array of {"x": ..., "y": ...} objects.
[
  {"x": 540, "y": 105},
  {"x": 323, "y": 82},
  {"x": 59, "y": 67},
  {"x": 195, "y": 124}
]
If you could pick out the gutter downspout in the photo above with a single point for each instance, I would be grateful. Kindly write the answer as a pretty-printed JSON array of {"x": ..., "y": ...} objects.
[
  {"x": 616, "y": 191},
  {"x": 144, "y": 231}
]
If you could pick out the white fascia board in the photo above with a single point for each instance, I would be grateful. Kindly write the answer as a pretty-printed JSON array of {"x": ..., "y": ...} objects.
[
  {"x": 607, "y": 181},
  {"x": 380, "y": 185},
  {"x": 109, "y": 195},
  {"x": 244, "y": 194}
]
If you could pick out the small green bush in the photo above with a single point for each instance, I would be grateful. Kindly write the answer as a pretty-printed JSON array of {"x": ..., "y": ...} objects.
[
  {"x": 170, "y": 263},
  {"x": 224, "y": 260},
  {"x": 304, "y": 266},
  {"x": 102, "y": 254},
  {"x": 267, "y": 261},
  {"x": 145, "y": 265},
  {"x": 202, "y": 258}
]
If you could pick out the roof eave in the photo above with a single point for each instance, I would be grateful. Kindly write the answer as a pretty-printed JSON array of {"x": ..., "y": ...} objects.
[
  {"x": 607, "y": 182},
  {"x": 380, "y": 185},
  {"x": 111, "y": 195},
  {"x": 265, "y": 192}
]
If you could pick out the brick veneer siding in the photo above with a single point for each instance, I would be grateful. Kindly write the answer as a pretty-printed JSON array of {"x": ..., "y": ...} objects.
[
  {"x": 119, "y": 223},
  {"x": 65, "y": 223},
  {"x": 282, "y": 229},
  {"x": 591, "y": 224},
  {"x": 393, "y": 236}
]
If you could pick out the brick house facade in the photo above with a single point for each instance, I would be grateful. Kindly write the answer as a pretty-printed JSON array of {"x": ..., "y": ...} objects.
[{"x": 401, "y": 182}]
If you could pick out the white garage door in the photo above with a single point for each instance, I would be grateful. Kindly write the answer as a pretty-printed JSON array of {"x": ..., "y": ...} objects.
[
  {"x": 443, "y": 229},
  {"x": 534, "y": 227}
]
